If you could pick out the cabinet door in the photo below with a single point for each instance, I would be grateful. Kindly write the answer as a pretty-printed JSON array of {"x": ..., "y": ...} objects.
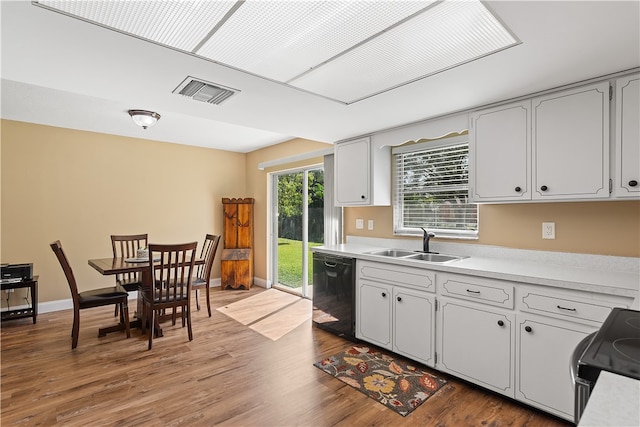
[
  {"x": 499, "y": 154},
  {"x": 571, "y": 144},
  {"x": 373, "y": 322},
  {"x": 477, "y": 344},
  {"x": 352, "y": 172},
  {"x": 627, "y": 173},
  {"x": 413, "y": 323},
  {"x": 545, "y": 347}
]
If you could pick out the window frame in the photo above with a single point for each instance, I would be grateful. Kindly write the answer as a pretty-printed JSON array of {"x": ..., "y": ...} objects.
[{"x": 421, "y": 145}]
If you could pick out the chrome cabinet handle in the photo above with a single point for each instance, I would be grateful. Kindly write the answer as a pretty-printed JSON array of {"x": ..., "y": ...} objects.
[{"x": 565, "y": 308}]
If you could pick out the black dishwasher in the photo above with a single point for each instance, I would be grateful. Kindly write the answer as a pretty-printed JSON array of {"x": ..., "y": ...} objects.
[{"x": 334, "y": 294}]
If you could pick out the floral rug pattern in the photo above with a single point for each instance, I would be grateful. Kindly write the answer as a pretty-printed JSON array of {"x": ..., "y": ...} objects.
[{"x": 397, "y": 384}]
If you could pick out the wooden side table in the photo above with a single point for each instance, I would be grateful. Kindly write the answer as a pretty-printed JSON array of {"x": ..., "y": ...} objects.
[{"x": 20, "y": 313}]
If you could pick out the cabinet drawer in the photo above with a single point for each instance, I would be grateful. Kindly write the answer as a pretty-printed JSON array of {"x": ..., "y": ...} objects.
[
  {"x": 485, "y": 291},
  {"x": 564, "y": 306},
  {"x": 417, "y": 278}
]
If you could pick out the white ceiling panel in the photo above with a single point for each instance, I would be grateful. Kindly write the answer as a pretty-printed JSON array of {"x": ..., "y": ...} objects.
[{"x": 62, "y": 71}]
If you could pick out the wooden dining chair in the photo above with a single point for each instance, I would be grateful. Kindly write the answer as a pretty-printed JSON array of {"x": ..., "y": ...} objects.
[
  {"x": 170, "y": 286},
  {"x": 126, "y": 246},
  {"x": 203, "y": 271},
  {"x": 92, "y": 298}
]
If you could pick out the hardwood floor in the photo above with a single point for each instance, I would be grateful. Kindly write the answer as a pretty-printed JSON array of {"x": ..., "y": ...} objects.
[{"x": 228, "y": 375}]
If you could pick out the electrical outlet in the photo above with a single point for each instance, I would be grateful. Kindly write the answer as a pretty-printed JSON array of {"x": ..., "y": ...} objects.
[
  {"x": 548, "y": 230},
  {"x": 370, "y": 224},
  {"x": 359, "y": 223}
]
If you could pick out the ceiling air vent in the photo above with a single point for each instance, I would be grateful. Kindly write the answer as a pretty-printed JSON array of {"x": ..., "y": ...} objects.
[{"x": 201, "y": 90}]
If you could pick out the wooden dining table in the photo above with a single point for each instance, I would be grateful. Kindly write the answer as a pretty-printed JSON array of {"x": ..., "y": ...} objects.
[{"x": 112, "y": 266}]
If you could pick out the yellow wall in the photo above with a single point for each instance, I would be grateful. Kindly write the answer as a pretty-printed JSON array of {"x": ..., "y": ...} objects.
[
  {"x": 601, "y": 228},
  {"x": 81, "y": 187}
]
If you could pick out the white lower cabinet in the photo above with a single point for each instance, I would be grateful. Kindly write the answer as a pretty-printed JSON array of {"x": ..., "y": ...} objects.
[
  {"x": 413, "y": 321},
  {"x": 373, "y": 313},
  {"x": 394, "y": 312},
  {"x": 512, "y": 338},
  {"x": 543, "y": 375},
  {"x": 477, "y": 343}
]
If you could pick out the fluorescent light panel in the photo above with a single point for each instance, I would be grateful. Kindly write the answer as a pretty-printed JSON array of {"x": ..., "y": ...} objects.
[
  {"x": 343, "y": 50},
  {"x": 178, "y": 24},
  {"x": 283, "y": 39},
  {"x": 447, "y": 35}
]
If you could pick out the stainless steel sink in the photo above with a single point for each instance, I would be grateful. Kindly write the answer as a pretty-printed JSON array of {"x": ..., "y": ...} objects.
[
  {"x": 394, "y": 253},
  {"x": 434, "y": 257}
]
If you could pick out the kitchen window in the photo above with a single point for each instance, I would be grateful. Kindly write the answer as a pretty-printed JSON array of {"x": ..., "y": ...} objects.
[{"x": 430, "y": 189}]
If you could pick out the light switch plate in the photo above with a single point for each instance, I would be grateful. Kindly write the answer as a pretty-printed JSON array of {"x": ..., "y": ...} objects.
[
  {"x": 359, "y": 223},
  {"x": 370, "y": 224}
]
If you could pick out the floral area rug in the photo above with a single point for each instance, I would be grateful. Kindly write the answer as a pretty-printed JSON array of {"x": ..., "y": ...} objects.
[{"x": 397, "y": 384}]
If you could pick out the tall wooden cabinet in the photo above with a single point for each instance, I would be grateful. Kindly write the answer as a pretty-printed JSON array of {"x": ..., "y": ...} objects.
[{"x": 236, "y": 267}]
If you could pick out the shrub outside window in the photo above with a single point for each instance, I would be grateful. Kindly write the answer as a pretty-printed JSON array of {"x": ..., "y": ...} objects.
[{"x": 431, "y": 181}]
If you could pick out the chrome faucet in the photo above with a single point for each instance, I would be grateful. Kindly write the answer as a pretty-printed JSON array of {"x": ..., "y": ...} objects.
[{"x": 425, "y": 240}]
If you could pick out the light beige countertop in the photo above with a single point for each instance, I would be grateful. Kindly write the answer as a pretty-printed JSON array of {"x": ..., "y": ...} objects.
[
  {"x": 598, "y": 274},
  {"x": 615, "y": 402}
]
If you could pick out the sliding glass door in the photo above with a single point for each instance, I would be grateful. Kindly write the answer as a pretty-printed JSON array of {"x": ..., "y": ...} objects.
[{"x": 298, "y": 224}]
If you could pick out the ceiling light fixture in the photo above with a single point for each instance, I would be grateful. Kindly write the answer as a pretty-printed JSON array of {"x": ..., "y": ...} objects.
[{"x": 144, "y": 118}]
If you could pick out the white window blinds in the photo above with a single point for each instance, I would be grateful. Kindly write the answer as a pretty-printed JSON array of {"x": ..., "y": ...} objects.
[{"x": 431, "y": 189}]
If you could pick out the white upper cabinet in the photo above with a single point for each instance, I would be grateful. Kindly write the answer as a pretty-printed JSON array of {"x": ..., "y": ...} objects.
[
  {"x": 362, "y": 173},
  {"x": 626, "y": 181},
  {"x": 552, "y": 147},
  {"x": 570, "y": 142},
  {"x": 499, "y": 153}
]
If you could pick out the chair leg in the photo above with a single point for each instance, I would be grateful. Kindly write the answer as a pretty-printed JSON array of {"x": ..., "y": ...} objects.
[
  {"x": 125, "y": 309},
  {"x": 151, "y": 326},
  {"x": 197, "y": 301},
  {"x": 115, "y": 314},
  {"x": 208, "y": 301},
  {"x": 143, "y": 315},
  {"x": 188, "y": 309},
  {"x": 75, "y": 330}
]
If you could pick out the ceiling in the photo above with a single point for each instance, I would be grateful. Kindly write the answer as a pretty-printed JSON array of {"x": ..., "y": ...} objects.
[{"x": 61, "y": 71}]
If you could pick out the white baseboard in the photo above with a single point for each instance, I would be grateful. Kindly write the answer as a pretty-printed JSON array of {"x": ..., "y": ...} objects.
[{"x": 67, "y": 304}]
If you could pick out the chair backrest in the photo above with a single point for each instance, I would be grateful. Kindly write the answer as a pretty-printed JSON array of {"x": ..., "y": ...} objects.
[
  {"x": 64, "y": 262},
  {"x": 126, "y": 246},
  {"x": 208, "y": 253},
  {"x": 172, "y": 274}
]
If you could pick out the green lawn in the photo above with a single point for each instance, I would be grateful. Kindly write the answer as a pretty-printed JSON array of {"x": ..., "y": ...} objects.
[{"x": 290, "y": 264}]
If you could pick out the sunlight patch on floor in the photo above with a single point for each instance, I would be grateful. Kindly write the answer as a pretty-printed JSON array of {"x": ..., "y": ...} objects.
[{"x": 271, "y": 313}]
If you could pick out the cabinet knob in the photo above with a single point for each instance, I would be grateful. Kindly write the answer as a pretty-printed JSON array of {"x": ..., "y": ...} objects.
[
  {"x": 633, "y": 183},
  {"x": 363, "y": 197},
  {"x": 384, "y": 295},
  {"x": 399, "y": 299},
  {"x": 500, "y": 323},
  {"x": 518, "y": 189},
  {"x": 543, "y": 188},
  {"x": 528, "y": 328}
]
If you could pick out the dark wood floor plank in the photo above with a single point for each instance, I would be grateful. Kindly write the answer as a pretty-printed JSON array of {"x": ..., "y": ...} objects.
[{"x": 228, "y": 375}]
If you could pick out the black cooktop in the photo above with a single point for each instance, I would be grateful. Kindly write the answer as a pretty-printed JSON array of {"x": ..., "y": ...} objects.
[{"x": 615, "y": 347}]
